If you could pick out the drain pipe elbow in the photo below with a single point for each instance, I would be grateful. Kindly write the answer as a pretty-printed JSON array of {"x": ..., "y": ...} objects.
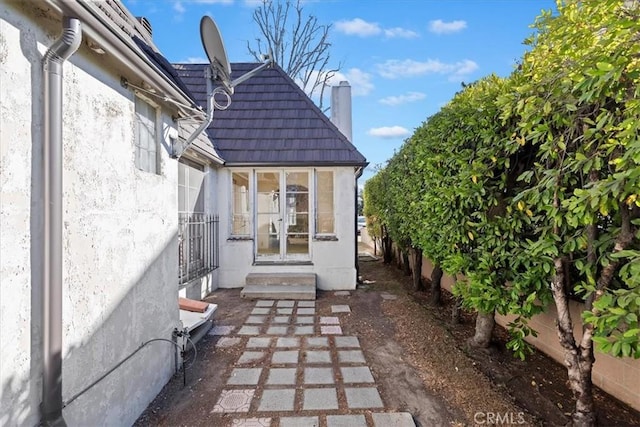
[
  {"x": 64, "y": 47},
  {"x": 52, "y": 65}
]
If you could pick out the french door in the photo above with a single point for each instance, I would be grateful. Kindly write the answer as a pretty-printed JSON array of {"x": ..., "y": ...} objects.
[{"x": 282, "y": 215}]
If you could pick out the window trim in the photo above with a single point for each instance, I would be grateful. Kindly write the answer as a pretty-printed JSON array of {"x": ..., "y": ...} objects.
[
  {"x": 250, "y": 190},
  {"x": 189, "y": 164},
  {"x": 317, "y": 235},
  {"x": 157, "y": 129}
]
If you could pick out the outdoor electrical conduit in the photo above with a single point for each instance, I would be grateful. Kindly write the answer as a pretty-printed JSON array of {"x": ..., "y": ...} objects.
[{"x": 52, "y": 65}]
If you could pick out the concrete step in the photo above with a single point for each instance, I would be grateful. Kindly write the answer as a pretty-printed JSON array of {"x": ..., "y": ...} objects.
[
  {"x": 281, "y": 279},
  {"x": 293, "y": 291}
]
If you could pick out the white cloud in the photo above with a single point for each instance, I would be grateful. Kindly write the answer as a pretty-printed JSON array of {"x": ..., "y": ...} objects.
[
  {"x": 178, "y": 7},
  {"x": 359, "y": 80},
  {"x": 212, "y": 1},
  {"x": 440, "y": 27},
  {"x": 358, "y": 27},
  {"x": 389, "y": 132},
  {"x": 463, "y": 69},
  {"x": 194, "y": 60},
  {"x": 398, "y": 32},
  {"x": 403, "y": 99},
  {"x": 395, "y": 68}
]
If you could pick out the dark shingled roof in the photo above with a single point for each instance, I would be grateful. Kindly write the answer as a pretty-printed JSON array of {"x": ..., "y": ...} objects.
[
  {"x": 163, "y": 65},
  {"x": 271, "y": 121}
]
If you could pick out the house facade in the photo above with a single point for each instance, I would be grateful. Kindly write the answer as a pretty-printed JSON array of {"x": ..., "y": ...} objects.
[
  {"x": 287, "y": 191},
  {"x": 121, "y": 115},
  {"x": 143, "y": 217}
]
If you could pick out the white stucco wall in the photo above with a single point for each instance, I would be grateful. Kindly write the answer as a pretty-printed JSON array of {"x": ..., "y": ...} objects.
[
  {"x": 120, "y": 224},
  {"x": 333, "y": 262}
]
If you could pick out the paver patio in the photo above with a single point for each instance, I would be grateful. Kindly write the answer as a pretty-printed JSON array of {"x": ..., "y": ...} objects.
[{"x": 296, "y": 361}]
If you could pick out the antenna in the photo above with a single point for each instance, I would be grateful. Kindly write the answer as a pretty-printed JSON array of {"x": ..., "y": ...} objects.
[
  {"x": 217, "y": 54},
  {"x": 219, "y": 72}
]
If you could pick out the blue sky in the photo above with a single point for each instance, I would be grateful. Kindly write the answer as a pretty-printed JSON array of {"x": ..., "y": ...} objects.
[{"x": 403, "y": 58}]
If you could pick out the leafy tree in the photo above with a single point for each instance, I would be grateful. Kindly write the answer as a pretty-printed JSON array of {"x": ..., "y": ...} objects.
[
  {"x": 477, "y": 184},
  {"x": 578, "y": 105},
  {"x": 375, "y": 209},
  {"x": 535, "y": 180},
  {"x": 298, "y": 42},
  {"x": 449, "y": 193}
]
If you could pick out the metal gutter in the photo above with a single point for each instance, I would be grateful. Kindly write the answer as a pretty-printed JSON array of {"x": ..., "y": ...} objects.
[
  {"x": 277, "y": 164},
  {"x": 52, "y": 67}
]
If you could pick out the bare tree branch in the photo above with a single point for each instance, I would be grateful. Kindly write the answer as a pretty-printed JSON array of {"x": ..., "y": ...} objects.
[{"x": 297, "y": 42}]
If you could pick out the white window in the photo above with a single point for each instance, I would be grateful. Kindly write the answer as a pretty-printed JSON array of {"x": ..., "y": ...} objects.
[
  {"x": 240, "y": 224},
  {"x": 325, "y": 214},
  {"x": 190, "y": 187},
  {"x": 146, "y": 138}
]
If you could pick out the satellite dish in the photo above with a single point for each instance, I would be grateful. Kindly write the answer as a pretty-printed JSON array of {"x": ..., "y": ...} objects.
[{"x": 217, "y": 54}]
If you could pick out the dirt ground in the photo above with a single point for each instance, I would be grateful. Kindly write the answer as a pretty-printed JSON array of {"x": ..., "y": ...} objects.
[
  {"x": 417, "y": 356},
  {"x": 480, "y": 381}
]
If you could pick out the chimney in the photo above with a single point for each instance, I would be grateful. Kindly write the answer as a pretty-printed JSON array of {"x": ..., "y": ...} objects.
[{"x": 341, "y": 108}]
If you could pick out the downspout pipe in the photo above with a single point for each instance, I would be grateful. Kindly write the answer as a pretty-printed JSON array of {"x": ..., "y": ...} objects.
[
  {"x": 359, "y": 171},
  {"x": 52, "y": 66}
]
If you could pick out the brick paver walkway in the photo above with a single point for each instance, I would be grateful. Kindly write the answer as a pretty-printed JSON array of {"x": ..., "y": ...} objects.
[{"x": 308, "y": 372}]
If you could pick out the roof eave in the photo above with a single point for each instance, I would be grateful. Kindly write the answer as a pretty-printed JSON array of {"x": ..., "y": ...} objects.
[
  {"x": 120, "y": 45},
  {"x": 295, "y": 164}
]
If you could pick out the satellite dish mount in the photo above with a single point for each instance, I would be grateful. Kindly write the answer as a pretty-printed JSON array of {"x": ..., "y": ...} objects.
[{"x": 218, "y": 75}]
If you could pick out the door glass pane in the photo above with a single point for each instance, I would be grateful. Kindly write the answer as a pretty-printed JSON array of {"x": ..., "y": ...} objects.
[
  {"x": 297, "y": 213},
  {"x": 268, "y": 216},
  {"x": 268, "y": 181},
  {"x": 297, "y": 244},
  {"x": 268, "y": 235}
]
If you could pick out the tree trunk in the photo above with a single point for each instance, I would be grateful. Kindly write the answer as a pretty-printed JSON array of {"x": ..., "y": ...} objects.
[
  {"x": 406, "y": 267},
  {"x": 485, "y": 323},
  {"x": 578, "y": 359},
  {"x": 456, "y": 311},
  {"x": 418, "y": 283},
  {"x": 387, "y": 247},
  {"x": 399, "y": 257},
  {"x": 436, "y": 290}
]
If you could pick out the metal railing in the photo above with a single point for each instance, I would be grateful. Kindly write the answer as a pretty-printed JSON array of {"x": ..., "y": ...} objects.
[{"x": 198, "y": 244}]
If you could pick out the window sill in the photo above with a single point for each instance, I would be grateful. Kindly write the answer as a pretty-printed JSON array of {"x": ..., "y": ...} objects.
[
  {"x": 282, "y": 263},
  {"x": 325, "y": 238},
  {"x": 240, "y": 239}
]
